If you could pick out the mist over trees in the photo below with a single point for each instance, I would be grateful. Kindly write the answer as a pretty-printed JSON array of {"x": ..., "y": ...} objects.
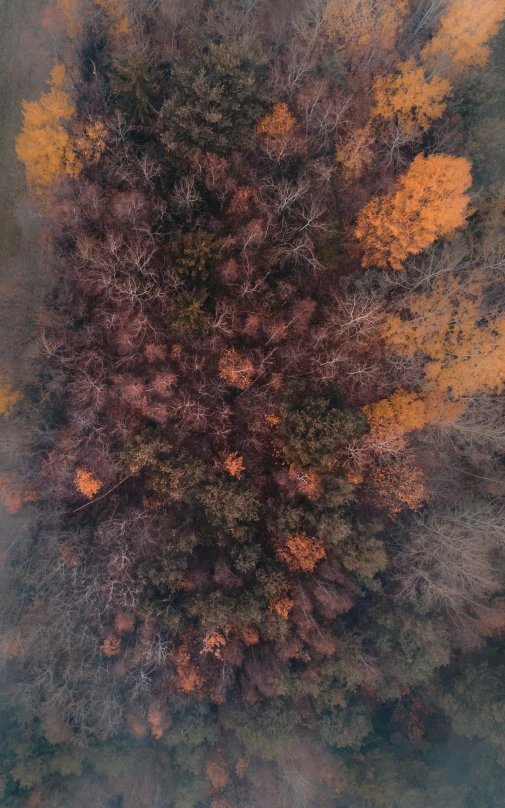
[{"x": 259, "y": 469}]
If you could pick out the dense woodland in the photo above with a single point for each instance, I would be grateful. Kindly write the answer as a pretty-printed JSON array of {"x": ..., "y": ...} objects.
[{"x": 259, "y": 474}]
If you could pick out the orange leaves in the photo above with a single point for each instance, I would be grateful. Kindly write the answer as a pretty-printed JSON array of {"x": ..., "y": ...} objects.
[
  {"x": 157, "y": 720},
  {"x": 392, "y": 418},
  {"x": 13, "y": 493},
  {"x": 397, "y": 488},
  {"x": 43, "y": 145},
  {"x": 355, "y": 154},
  {"x": 464, "y": 32},
  {"x": 431, "y": 202},
  {"x": 409, "y": 98},
  {"x": 234, "y": 464},
  {"x": 281, "y": 606},
  {"x": 300, "y": 552},
  {"x": 465, "y": 352},
  {"x": 111, "y": 646},
  {"x": 189, "y": 678},
  {"x": 8, "y": 399},
  {"x": 217, "y": 774},
  {"x": 86, "y": 483},
  {"x": 276, "y": 125},
  {"x": 213, "y": 642},
  {"x": 236, "y": 370},
  {"x": 277, "y": 133}
]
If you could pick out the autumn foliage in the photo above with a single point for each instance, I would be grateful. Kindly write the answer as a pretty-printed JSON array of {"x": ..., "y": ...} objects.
[
  {"x": 431, "y": 202},
  {"x": 264, "y": 437}
]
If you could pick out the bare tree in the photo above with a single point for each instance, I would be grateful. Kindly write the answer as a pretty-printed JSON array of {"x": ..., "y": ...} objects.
[{"x": 448, "y": 559}]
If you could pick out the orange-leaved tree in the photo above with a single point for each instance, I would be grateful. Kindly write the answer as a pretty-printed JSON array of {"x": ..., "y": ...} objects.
[
  {"x": 463, "y": 342},
  {"x": 391, "y": 419},
  {"x": 86, "y": 483},
  {"x": 8, "y": 398},
  {"x": 409, "y": 98},
  {"x": 300, "y": 552},
  {"x": 355, "y": 153},
  {"x": 431, "y": 202},
  {"x": 464, "y": 33},
  {"x": 43, "y": 144},
  {"x": 277, "y": 133}
]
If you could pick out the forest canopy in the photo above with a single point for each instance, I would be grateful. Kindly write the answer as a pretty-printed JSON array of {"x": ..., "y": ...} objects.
[{"x": 259, "y": 469}]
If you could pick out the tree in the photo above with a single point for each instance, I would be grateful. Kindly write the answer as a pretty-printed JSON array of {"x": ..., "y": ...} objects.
[
  {"x": 362, "y": 25},
  {"x": 448, "y": 560},
  {"x": 462, "y": 340},
  {"x": 216, "y": 101},
  {"x": 300, "y": 552},
  {"x": 135, "y": 82},
  {"x": 409, "y": 98},
  {"x": 431, "y": 201},
  {"x": 314, "y": 426},
  {"x": 465, "y": 29},
  {"x": 44, "y": 144}
]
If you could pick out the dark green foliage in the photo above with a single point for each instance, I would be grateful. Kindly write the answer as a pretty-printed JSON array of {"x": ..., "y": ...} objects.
[
  {"x": 314, "y": 426},
  {"x": 188, "y": 311},
  {"x": 194, "y": 254},
  {"x": 135, "y": 82},
  {"x": 231, "y": 508},
  {"x": 215, "y": 100},
  {"x": 344, "y": 727}
]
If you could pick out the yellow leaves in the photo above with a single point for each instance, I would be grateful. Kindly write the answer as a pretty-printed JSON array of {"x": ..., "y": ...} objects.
[
  {"x": 431, "y": 202},
  {"x": 361, "y": 24},
  {"x": 409, "y": 98},
  {"x": 355, "y": 154},
  {"x": 71, "y": 12},
  {"x": 397, "y": 488},
  {"x": 86, "y": 483},
  {"x": 43, "y": 145},
  {"x": 464, "y": 32},
  {"x": 464, "y": 349},
  {"x": 8, "y": 399}
]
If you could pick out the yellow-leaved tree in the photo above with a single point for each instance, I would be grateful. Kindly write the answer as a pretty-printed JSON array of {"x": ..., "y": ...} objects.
[
  {"x": 431, "y": 202},
  {"x": 409, "y": 98},
  {"x": 363, "y": 24},
  {"x": 8, "y": 398},
  {"x": 464, "y": 33},
  {"x": 463, "y": 343},
  {"x": 44, "y": 145}
]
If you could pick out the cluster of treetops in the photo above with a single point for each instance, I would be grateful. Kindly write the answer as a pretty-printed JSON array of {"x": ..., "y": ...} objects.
[{"x": 260, "y": 467}]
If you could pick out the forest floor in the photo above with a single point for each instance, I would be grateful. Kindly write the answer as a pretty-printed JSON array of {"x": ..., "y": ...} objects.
[{"x": 25, "y": 61}]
